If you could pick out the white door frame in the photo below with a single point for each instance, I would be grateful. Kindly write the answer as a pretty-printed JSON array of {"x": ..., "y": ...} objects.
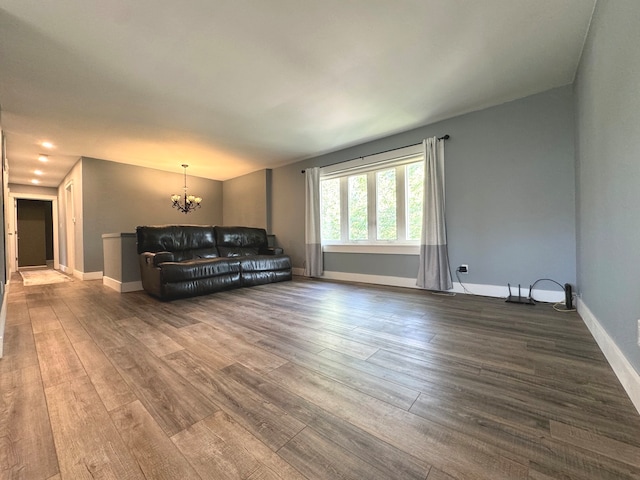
[
  {"x": 70, "y": 227},
  {"x": 13, "y": 227}
]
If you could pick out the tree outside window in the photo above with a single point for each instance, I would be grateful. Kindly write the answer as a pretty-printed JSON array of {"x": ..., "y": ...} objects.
[{"x": 378, "y": 206}]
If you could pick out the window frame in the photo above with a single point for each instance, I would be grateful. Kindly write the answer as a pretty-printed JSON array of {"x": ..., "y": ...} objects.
[{"x": 396, "y": 159}]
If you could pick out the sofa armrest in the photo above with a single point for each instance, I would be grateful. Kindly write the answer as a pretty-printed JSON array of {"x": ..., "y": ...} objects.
[
  {"x": 271, "y": 251},
  {"x": 154, "y": 259}
]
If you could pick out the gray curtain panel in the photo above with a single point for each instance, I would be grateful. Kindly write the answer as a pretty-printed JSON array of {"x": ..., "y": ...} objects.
[
  {"x": 313, "y": 245},
  {"x": 433, "y": 271}
]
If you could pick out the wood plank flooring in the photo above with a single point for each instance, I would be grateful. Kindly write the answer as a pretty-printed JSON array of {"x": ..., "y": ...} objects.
[{"x": 305, "y": 380}]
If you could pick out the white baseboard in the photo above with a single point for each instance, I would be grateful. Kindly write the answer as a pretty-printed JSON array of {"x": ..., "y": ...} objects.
[
  {"x": 118, "y": 286},
  {"x": 628, "y": 376},
  {"x": 81, "y": 275},
  {"x": 3, "y": 317},
  {"x": 497, "y": 291},
  {"x": 87, "y": 275},
  {"x": 502, "y": 291}
]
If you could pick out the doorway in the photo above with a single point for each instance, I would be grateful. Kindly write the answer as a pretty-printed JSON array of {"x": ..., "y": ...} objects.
[
  {"x": 70, "y": 222},
  {"x": 12, "y": 227},
  {"x": 35, "y": 233}
]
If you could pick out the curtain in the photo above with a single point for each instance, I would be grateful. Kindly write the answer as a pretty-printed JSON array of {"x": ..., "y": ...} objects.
[
  {"x": 433, "y": 271},
  {"x": 313, "y": 246}
]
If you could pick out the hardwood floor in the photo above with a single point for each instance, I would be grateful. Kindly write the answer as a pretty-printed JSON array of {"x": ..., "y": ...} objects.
[{"x": 305, "y": 380}]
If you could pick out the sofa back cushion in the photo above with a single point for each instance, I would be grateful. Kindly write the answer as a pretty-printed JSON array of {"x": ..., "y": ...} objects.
[
  {"x": 240, "y": 241},
  {"x": 188, "y": 241}
]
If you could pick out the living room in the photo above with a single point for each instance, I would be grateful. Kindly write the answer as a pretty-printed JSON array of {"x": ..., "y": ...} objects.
[{"x": 542, "y": 186}]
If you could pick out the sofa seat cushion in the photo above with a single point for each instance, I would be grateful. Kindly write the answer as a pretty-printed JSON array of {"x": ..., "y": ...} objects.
[
  {"x": 195, "y": 254},
  {"x": 262, "y": 263},
  {"x": 250, "y": 279},
  {"x": 200, "y": 268},
  {"x": 201, "y": 286},
  {"x": 237, "y": 251}
]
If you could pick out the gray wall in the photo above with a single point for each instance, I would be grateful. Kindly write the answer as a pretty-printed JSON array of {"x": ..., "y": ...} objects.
[
  {"x": 118, "y": 197},
  {"x": 246, "y": 200},
  {"x": 372, "y": 264},
  {"x": 510, "y": 187},
  {"x": 608, "y": 172},
  {"x": 121, "y": 257}
]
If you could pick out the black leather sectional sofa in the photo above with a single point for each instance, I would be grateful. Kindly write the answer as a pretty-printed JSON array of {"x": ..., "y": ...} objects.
[{"x": 186, "y": 260}]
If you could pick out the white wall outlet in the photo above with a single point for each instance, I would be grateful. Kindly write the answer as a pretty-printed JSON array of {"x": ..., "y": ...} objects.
[{"x": 463, "y": 268}]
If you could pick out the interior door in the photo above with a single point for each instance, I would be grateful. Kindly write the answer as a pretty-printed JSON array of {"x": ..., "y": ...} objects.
[{"x": 32, "y": 243}]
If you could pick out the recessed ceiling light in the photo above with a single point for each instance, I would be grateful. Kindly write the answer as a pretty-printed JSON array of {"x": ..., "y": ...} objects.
[
  {"x": 47, "y": 144},
  {"x": 38, "y": 172},
  {"x": 43, "y": 158},
  {"x": 35, "y": 181}
]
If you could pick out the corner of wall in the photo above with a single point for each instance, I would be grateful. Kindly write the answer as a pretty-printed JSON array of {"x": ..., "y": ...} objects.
[{"x": 627, "y": 375}]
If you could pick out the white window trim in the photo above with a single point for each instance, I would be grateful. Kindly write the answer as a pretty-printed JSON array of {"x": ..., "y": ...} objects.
[
  {"x": 395, "y": 249},
  {"x": 370, "y": 164}
]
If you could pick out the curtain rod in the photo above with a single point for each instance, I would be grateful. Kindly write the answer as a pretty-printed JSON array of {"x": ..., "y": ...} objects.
[{"x": 444, "y": 137}]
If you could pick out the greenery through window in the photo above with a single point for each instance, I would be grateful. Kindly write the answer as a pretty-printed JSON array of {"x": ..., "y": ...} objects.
[
  {"x": 330, "y": 209},
  {"x": 358, "y": 227},
  {"x": 415, "y": 182},
  {"x": 386, "y": 205},
  {"x": 382, "y": 205}
]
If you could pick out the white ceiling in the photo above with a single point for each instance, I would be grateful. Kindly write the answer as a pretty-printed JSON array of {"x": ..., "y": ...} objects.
[{"x": 234, "y": 86}]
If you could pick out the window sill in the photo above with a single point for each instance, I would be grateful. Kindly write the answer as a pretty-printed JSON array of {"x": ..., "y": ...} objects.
[{"x": 377, "y": 249}]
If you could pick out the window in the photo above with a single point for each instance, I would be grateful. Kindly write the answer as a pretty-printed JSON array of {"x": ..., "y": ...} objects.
[{"x": 378, "y": 203}]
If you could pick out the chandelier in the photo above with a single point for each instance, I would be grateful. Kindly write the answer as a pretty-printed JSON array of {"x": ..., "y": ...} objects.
[{"x": 185, "y": 203}]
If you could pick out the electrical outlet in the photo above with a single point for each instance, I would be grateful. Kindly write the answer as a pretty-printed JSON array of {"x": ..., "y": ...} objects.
[{"x": 463, "y": 268}]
